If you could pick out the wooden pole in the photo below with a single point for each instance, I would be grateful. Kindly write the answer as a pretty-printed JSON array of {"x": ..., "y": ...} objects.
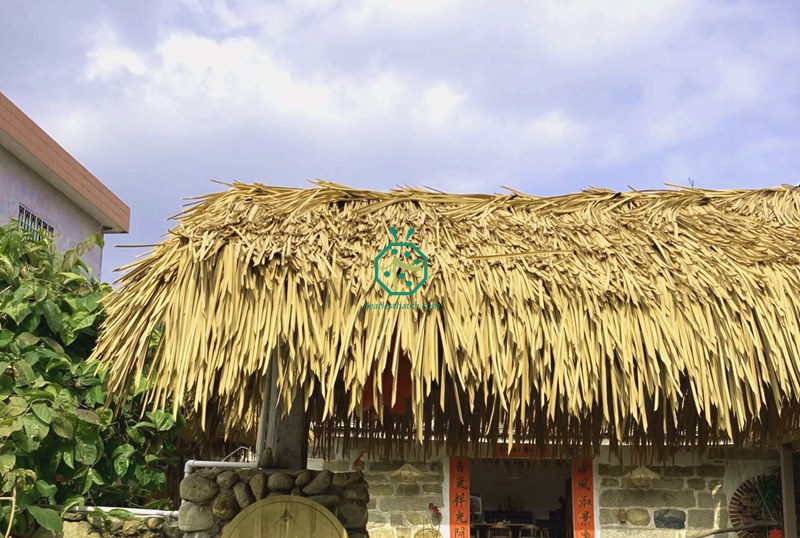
[
  {"x": 787, "y": 492},
  {"x": 287, "y": 435},
  {"x": 263, "y": 418}
]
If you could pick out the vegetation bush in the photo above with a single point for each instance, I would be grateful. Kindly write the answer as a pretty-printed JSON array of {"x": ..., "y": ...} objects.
[{"x": 60, "y": 444}]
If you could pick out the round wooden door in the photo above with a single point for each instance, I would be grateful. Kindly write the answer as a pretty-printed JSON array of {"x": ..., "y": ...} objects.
[{"x": 285, "y": 516}]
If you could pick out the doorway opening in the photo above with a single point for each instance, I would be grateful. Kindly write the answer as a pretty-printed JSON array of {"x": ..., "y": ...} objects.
[{"x": 518, "y": 498}]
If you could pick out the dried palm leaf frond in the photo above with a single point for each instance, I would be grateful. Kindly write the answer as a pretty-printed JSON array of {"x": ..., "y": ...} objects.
[{"x": 657, "y": 318}]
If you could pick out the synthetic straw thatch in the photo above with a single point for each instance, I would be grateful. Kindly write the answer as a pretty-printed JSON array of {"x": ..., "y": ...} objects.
[{"x": 660, "y": 318}]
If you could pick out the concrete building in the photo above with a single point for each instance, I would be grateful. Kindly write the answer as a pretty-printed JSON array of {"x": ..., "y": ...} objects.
[{"x": 46, "y": 188}]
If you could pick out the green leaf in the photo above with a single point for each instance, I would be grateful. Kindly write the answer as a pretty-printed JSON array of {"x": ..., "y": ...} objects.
[
  {"x": 36, "y": 395},
  {"x": 69, "y": 459},
  {"x": 47, "y": 518},
  {"x": 85, "y": 448},
  {"x": 95, "y": 395},
  {"x": 9, "y": 426},
  {"x": 44, "y": 412},
  {"x": 7, "y": 462},
  {"x": 39, "y": 293},
  {"x": 126, "y": 449},
  {"x": 26, "y": 340},
  {"x": 87, "y": 415},
  {"x": 5, "y": 337},
  {"x": 121, "y": 464},
  {"x": 45, "y": 490},
  {"x": 120, "y": 513},
  {"x": 16, "y": 311},
  {"x": 65, "y": 399},
  {"x": 70, "y": 277},
  {"x": 136, "y": 435},
  {"x": 162, "y": 420},
  {"x": 35, "y": 428},
  {"x": 23, "y": 292},
  {"x": 24, "y": 371},
  {"x": 16, "y": 406},
  {"x": 95, "y": 477},
  {"x": 81, "y": 319},
  {"x": 52, "y": 314},
  {"x": 71, "y": 502},
  {"x": 62, "y": 427}
]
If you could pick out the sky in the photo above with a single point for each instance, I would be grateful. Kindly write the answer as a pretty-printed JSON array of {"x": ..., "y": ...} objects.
[{"x": 157, "y": 98}]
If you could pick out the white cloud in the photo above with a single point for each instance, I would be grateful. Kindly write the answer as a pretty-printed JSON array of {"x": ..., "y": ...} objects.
[
  {"x": 107, "y": 58},
  {"x": 441, "y": 104},
  {"x": 531, "y": 87}
]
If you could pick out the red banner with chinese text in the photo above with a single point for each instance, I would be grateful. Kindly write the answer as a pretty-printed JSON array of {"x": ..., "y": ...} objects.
[
  {"x": 459, "y": 497},
  {"x": 583, "y": 498}
]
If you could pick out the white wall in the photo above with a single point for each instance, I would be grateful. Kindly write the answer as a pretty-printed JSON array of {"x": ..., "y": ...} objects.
[{"x": 21, "y": 185}]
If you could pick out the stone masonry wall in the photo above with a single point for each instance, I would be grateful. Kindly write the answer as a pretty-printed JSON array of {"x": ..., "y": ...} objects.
[
  {"x": 669, "y": 501},
  {"x": 400, "y": 494},
  {"x": 210, "y": 498},
  {"x": 91, "y": 526}
]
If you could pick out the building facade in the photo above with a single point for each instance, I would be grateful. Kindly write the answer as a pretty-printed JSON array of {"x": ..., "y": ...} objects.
[{"x": 48, "y": 190}]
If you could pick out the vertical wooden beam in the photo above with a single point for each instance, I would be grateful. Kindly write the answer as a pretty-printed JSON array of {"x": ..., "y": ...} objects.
[
  {"x": 261, "y": 439},
  {"x": 287, "y": 435},
  {"x": 787, "y": 492}
]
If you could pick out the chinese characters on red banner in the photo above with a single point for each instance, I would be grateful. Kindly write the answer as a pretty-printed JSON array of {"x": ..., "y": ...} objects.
[
  {"x": 583, "y": 498},
  {"x": 459, "y": 497}
]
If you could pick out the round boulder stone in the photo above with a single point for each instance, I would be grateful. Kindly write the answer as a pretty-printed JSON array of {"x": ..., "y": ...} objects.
[
  {"x": 670, "y": 519},
  {"x": 225, "y": 505},
  {"x": 258, "y": 485},
  {"x": 227, "y": 479},
  {"x": 341, "y": 480},
  {"x": 244, "y": 497},
  {"x": 638, "y": 517},
  {"x": 357, "y": 493},
  {"x": 194, "y": 517},
  {"x": 171, "y": 529},
  {"x": 133, "y": 527},
  {"x": 280, "y": 482},
  {"x": 320, "y": 483},
  {"x": 303, "y": 478},
  {"x": 154, "y": 523},
  {"x": 198, "y": 489},
  {"x": 352, "y": 515}
]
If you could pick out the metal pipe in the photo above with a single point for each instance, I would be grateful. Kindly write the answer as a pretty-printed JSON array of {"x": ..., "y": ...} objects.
[
  {"x": 260, "y": 442},
  {"x": 191, "y": 464},
  {"x": 138, "y": 512}
]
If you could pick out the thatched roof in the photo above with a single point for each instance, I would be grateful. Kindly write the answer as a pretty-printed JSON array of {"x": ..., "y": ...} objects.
[{"x": 660, "y": 318}]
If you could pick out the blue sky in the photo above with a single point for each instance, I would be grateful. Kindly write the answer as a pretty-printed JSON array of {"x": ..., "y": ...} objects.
[{"x": 158, "y": 98}]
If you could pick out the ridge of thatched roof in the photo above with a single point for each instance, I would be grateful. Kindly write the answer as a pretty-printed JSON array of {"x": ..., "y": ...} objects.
[{"x": 658, "y": 318}]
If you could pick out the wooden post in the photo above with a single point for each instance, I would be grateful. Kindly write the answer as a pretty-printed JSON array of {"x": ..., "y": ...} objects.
[
  {"x": 287, "y": 436},
  {"x": 787, "y": 492}
]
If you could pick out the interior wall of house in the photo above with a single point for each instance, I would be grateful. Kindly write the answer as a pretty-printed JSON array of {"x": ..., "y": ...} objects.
[{"x": 534, "y": 487}]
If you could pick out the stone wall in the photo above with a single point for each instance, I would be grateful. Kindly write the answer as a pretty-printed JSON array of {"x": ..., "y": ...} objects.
[
  {"x": 671, "y": 500},
  {"x": 400, "y": 494},
  {"x": 210, "y": 498},
  {"x": 90, "y": 526}
]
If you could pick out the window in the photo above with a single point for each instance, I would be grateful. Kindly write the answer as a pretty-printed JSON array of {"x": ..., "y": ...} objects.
[{"x": 32, "y": 223}]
